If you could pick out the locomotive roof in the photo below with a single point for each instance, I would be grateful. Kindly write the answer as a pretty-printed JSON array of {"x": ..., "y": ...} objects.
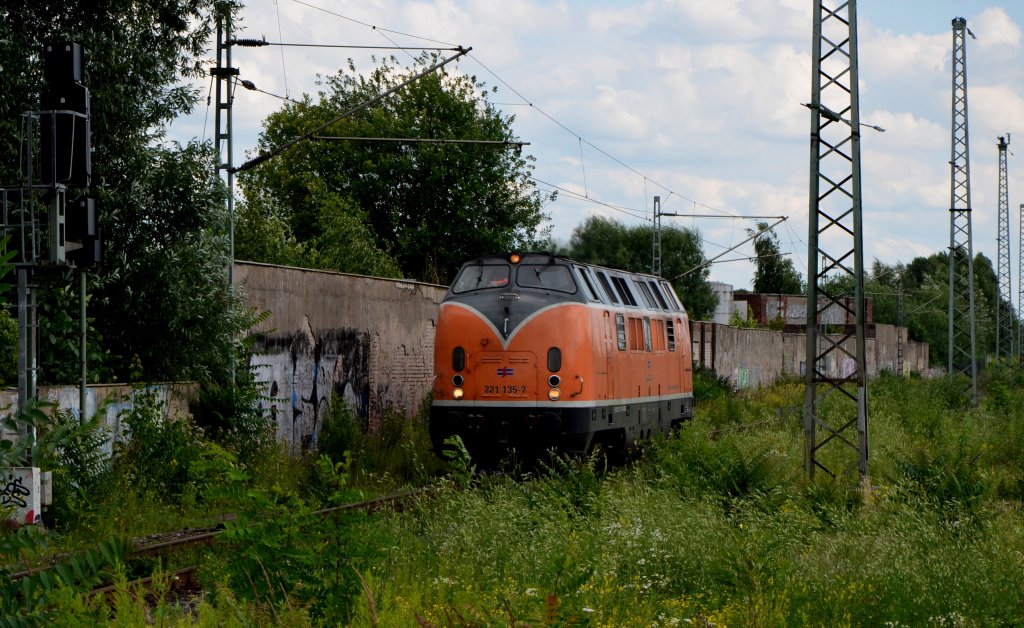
[
  {"x": 582, "y": 282},
  {"x": 534, "y": 257}
]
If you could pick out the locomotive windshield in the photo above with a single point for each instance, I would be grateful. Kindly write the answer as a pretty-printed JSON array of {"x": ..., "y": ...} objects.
[
  {"x": 475, "y": 277},
  {"x": 481, "y": 277},
  {"x": 546, "y": 277}
]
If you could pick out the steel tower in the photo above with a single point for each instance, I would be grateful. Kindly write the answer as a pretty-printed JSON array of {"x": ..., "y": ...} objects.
[
  {"x": 835, "y": 405},
  {"x": 961, "y": 252},
  {"x": 1004, "y": 308},
  {"x": 1020, "y": 282},
  {"x": 227, "y": 76}
]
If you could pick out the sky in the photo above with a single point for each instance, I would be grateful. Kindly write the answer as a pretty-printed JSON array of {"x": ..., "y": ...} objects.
[{"x": 698, "y": 102}]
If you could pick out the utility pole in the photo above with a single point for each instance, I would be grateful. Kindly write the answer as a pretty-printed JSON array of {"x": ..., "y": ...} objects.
[
  {"x": 1020, "y": 281},
  {"x": 1004, "y": 307},
  {"x": 962, "y": 362},
  {"x": 836, "y": 364},
  {"x": 226, "y": 75},
  {"x": 656, "y": 237},
  {"x": 899, "y": 325}
]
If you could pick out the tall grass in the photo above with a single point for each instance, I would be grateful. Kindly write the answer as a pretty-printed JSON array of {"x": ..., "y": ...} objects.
[
  {"x": 715, "y": 526},
  {"x": 718, "y": 526}
]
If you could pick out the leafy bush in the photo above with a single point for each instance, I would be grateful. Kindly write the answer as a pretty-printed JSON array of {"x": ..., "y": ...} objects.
[
  {"x": 30, "y": 600},
  {"x": 950, "y": 477},
  {"x": 725, "y": 467},
  {"x": 229, "y": 414},
  {"x": 160, "y": 450},
  {"x": 398, "y": 449},
  {"x": 8, "y": 348},
  {"x": 709, "y": 385},
  {"x": 81, "y": 466},
  {"x": 280, "y": 551}
]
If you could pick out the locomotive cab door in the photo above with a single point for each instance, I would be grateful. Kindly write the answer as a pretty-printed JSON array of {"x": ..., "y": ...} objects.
[{"x": 606, "y": 362}]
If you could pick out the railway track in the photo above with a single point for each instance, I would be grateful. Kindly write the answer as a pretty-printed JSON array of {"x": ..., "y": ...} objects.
[{"x": 159, "y": 544}]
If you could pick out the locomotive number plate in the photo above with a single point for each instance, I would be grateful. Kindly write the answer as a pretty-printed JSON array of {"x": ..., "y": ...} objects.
[{"x": 506, "y": 389}]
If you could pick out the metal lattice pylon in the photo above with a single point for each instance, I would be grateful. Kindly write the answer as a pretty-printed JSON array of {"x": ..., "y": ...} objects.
[
  {"x": 835, "y": 406},
  {"x": 1020, "y": 281},
  {"x": 226, "y": 76},
  {"x": 656, "y": 239},
  {"x": 961, "y": 253},
  {"x": 1004, "y": 313}
]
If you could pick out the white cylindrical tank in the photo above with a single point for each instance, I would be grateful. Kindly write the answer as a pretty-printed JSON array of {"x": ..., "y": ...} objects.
[{"x": 724, "y": 309}]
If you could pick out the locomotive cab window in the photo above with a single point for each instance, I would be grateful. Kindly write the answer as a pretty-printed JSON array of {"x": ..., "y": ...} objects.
[
  {"x": 545, "y": 277},
  {"x": 620, "y": 331},
  {"x": 657, "y": 294},
  {"x": 624, "y": 291},
  {"x": 645, "y": 294},
  {"x": 672, "y": 299},
  {"x": 481, "y": 277},
  {"x": 607, "y": 287},
  {"x": 670, "y": 328},
  {"x": 588, "y": 284}
]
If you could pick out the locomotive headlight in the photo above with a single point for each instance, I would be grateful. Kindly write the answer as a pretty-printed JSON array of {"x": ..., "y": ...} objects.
[
  {"x": 457, "y": 394},
  {"x": 457, "y": 380},
  {"x": 554, "y": 394}
]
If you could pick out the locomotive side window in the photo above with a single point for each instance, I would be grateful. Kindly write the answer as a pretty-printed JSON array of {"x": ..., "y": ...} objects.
[
  {"x": 458, "y": 359},
  {"x": 620, "y": 331},
  {"x": 481, "y": 277},
  {"x": 645, "y": 294},
  {"x": 624, "y": 291},
  {"x": 554, "y": 359},
  {"x": 607, "y": 287},
  {"x": 647, "y": 334},
  {"x": 657, "y": 293},
  {"x": 546, "y": 277},
  {"x": 672, "y": 298},
  {"x": 670, "y": 327},
  {"x": 588, "y": 284}
]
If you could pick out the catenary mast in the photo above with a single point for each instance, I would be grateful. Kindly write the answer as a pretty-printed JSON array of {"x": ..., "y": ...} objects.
[
  {"x": 836, "y": 366},
  {"x": 961, "y": 253},
  {"x": 1004, "y": 308}
]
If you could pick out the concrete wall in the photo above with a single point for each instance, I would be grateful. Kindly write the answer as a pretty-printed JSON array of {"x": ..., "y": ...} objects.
[
  {"x": 115, "y": 399},
  {"x": 757, "y": 357},
  {"x": 332, "y": 336}
]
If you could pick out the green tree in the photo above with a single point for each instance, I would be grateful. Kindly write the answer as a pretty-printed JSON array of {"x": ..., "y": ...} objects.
[
  {"x": 161, "y": 293},
  {"x": 924, "y": 283},
  {"x": 426, "y": 206},
  {"x": 773, "y": 273},
  {"x": 609, "y": 243}
]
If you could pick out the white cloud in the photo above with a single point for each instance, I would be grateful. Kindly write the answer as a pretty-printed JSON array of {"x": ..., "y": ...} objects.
[{"x": 702, "y": 97}]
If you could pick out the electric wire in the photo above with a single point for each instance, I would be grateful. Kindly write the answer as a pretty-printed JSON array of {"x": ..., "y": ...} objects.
[
  {"x": 629, "y": 211},
  {"x": 589, "y": 143},
  {"x": 284, "y": 69},
  {"x": 209, "y": 104},
  {"x": 372, "y": 26},
  {"x": 383, "y": 32},
  {"x": 356, "y": 46},
  {"x": 526, "y": 102}
]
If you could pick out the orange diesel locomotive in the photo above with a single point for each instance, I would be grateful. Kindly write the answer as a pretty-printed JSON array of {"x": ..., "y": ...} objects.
[{"x": 535, "y": 351}]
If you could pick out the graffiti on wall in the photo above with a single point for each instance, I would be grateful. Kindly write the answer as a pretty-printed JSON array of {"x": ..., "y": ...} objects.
[
  {"x": 304, "y": 373},
  {"x": 114, "y": 404},
  {"x": 20, "y": 492}
]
